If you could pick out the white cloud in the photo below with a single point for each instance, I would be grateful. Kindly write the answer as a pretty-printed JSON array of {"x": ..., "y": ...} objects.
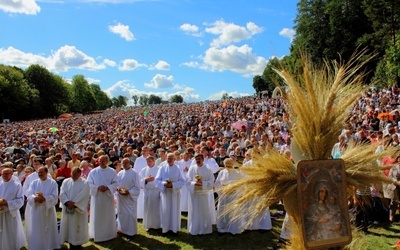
[
  {"x": 110, "y": 1},
  {"x": 130, "y": 64},
  {"x": 190, "y": 29},
  {"x": 233, "y": 58},
  {"x": 194, "y": 64},
  {"x": 160, "y": 81},
  {"x": 289, "y": 33},
  {"x": 218, "y": 96},
  {"x": 92, "y": 80},
  {"x": 125, "y": 88},
  {"x": 123, "y": 31},
  {"x": 69, "y": 57},
  {"x": 28, "y": 7},
  {"x": 63, "y": 59},
  {"x": 109, "y": 62},
  {"x": 160, "y": 65},
  {"x": 231, "y": 33}
]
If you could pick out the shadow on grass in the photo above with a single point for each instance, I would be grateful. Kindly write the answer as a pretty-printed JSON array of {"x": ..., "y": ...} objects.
[
  {"x": 135, "y": 242},
  {"x": 258, "y": 239}
]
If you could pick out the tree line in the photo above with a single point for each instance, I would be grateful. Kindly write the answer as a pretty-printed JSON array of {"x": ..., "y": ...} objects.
[
  {"x": 36, "y": 93},
  {"x": 332, "y": 30}
]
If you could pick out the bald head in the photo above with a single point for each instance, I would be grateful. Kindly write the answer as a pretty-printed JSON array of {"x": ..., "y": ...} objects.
[{"x": 6, "y": 174}]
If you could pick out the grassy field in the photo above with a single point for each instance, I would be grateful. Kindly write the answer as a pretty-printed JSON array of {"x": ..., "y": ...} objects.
[{"x": 379, "y": 237}]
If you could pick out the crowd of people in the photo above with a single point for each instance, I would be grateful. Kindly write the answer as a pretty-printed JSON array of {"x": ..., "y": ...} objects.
[{"x": 154, "y": 162}]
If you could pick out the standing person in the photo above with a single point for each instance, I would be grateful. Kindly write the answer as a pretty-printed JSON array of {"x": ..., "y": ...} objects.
[
  {"x": 74, "y": 197},
  {"x": 184, "y": 165},
  {"x": 141, "y": 163},
  {"x": 103, "y": 183},
  {"x": 12, "y": 234},
  {"x": 37, "y": 163},
  {"x": 169, "y": 181},
  {"x": 42, "y": 231},
  {"x": 200, "y": 185},
  {"x": 128, "y": 192},
  {"x": 225, "y": 224},
  {"x": 152, "y": 200}
]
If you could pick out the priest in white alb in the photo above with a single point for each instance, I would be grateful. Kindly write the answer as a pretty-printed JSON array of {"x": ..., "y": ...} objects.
[
  {"x": 152, "y": 199},
  {"x": 37, "y": 163},
  {"x": 42, "y": 232},
  {"x": 127, "y": 194},
  {"x": 225, "y": 222},
  {"x": 103, "y": 184},
  {"x": 74, "y": 200},
  {"x": 184, "y": 165},
  {"x": 200, "y": 184},
  {"x": 141, "y": 163},
  {"x": 12, "y": 234},
  {"x": 169, "y": 181}
]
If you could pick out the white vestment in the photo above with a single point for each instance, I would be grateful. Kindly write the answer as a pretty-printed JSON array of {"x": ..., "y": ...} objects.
[
  {"x": 126, "y": 204},
  {"x": 170, "y": 197},
  {"x": 152, "y": 199},
  {"x": 263, "y": 221},
  {"x": 225, "y": 224},
  {"x": 42, "y": 231},
  {"x": 184, "y": 191},
  {"x": 102, "y": 212},
  {"x": 211, "y": 164},
  {"x": 200, "y": 215},
  {"x": 140, "y": 163},
  {"x": 12, "y": 234},
  {"x": 25, "y": 187},
  {"x": 74, "y": 223}
]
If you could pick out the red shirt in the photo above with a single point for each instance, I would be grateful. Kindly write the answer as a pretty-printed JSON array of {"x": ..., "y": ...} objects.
[{"x": 63, "y": 172}]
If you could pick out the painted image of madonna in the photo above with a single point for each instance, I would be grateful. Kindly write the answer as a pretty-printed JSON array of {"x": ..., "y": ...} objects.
[{"x": 323, "y": 200}]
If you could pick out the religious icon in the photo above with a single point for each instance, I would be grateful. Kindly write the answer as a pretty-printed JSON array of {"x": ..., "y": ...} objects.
[{"x": 323, "y": 203}]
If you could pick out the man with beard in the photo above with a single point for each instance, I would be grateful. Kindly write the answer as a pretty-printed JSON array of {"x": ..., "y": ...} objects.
[
  {"x": 74, "y": 197},
  {"x": 103, "y": 183},
  {"x": 41, "y": 231},
  {"x": 128, "y": 192},
  {"x": 200, "y": 185}
]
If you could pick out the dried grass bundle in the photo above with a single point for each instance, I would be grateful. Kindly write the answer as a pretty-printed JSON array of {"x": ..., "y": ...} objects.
[
  {"x": 264, "y": 184},
  {"x": 362, "y": 168},
  {"x": 319, "y": 103},
  {"x": 320, "y": 99}
]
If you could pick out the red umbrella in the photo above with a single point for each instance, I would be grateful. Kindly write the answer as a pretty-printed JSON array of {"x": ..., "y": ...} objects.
[
  {"x": 239, "y": 125},
  {"x": 385, "y": 114},
  {"x": 65, "y": 116}
]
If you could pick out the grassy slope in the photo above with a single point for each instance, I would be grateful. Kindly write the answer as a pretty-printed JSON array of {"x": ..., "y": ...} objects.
[{"x": 380, "y": 237}]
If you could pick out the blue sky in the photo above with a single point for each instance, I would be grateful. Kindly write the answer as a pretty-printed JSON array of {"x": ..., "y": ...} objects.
[{"x": 199, "y": 49}]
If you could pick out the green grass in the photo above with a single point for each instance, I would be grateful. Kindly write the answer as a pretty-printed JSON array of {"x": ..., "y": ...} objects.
[
  {"x": 379, "y": 237},
  {"x": 383, "y": 236},
  {"x": 156, "y": 240}
]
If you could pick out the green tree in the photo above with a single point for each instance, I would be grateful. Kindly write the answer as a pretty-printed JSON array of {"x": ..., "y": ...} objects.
[
  {"x": 259, "y": 84},
  {"x": 119, "y": 101},
  {"x": 102, "y": 100},
  {"x": 330, "y": 29},
  {"x": 122, "y": 100},
  {"x": 53, "y": 93},
  {"x": 82, "y": 97},
  {"x": 153, "y": 99},
  {"x": 176, "y": 99},
  {"x": 143, "y": 99},
  {"x": 135, "y": 99},
  {"x": 15, "y": 94},
  {"x": 384, "y": 16},
  {"x": 226, "y": 97}
]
